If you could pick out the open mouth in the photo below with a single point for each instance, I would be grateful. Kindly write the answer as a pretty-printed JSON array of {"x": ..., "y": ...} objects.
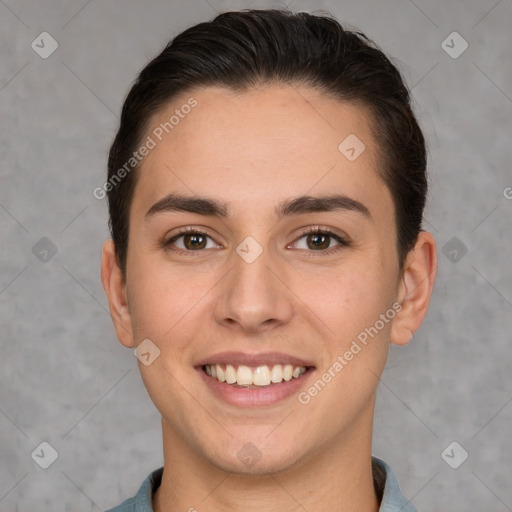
[{"x": 254, "y": 377}]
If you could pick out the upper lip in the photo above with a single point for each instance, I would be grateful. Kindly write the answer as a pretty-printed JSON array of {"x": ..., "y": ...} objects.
[{"x": 246, "y": 359}]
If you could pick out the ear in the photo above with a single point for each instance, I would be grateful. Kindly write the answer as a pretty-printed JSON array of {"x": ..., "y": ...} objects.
[
  {"x": 415, "y": 288},
  {"x": 115, "y": 288}
]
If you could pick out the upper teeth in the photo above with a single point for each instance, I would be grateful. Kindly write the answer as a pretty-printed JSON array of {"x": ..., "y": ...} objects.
[{"x": 259, "y": 376}]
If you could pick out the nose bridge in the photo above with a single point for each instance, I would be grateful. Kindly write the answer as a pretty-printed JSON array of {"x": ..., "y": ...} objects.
[{"x": 251, "y": 295}]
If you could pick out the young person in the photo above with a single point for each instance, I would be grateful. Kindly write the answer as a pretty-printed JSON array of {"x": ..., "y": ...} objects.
[{"x": 266, "y": 189}]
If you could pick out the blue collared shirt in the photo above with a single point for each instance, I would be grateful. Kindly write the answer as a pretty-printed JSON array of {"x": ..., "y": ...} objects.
[{"x": 384, "y": 479}]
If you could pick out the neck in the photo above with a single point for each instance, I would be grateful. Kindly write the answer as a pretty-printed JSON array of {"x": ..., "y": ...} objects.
[{"x": 338, "y": 477}]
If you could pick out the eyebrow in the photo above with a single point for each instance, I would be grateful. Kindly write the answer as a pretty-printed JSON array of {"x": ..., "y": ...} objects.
[{"x": 295, "y": 206}]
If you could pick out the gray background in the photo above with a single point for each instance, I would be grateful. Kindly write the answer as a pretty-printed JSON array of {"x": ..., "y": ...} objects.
[{"x": 66, "y": 380}]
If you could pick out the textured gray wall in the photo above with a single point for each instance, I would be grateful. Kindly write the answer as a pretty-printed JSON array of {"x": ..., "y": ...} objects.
[{"x": 65, "y": 379}]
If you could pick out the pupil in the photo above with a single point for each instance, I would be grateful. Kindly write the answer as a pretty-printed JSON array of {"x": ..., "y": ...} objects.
[
  {"x": 193, "y": 239},
  {"x": 322, "y": 239}
]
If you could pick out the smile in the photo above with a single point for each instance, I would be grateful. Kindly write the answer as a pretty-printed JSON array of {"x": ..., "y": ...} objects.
[
  {"x": 245, "y": 379},
  {"x": 259, "y": 376}
]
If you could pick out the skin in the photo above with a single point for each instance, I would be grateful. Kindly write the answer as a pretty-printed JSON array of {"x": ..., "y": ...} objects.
[{"x": 253, "y": 150}]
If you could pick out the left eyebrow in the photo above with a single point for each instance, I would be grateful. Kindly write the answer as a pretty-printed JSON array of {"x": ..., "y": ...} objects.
[
  {"x": 311, "y": 204},
  {"x": 296, "y": 206}
]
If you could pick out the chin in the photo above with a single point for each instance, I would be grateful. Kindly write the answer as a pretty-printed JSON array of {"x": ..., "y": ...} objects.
[{"x": 248, "y": 459}]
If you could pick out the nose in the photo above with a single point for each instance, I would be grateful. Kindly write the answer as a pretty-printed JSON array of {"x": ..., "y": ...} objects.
[{"x": 252, "y": 298}]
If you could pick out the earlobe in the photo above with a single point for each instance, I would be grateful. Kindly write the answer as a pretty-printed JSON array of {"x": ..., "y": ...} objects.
[
  {"x": 115, "y": 289},
  {"x": 415, "y": 288}
]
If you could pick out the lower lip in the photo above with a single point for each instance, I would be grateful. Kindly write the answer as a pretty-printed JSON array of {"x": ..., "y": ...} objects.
[{"x": 251, "y": 397}]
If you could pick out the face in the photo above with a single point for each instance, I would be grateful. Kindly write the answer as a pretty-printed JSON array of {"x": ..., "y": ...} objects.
[{"x": 264, "y": 282}]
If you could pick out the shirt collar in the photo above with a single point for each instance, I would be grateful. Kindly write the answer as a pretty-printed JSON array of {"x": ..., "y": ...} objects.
[
  {"x": 392, "y": 498},
  {"x": 385, "y": 481}
]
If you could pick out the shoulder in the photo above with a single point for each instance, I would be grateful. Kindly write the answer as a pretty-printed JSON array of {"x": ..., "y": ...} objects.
[
  {"x": 388, "y": 490},
  {"x": 141, "y": 502},
  {"x": 127, "y": 506}
]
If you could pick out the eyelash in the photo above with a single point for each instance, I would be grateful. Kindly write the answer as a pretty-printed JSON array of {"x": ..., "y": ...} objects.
[{"x": 317, "y": 230}]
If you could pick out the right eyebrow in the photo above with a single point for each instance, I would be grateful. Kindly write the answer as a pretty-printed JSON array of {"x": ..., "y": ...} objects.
[{"x": 182, "y": 203}]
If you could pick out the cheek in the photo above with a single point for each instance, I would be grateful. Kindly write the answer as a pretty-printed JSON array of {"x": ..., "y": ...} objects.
[
  {"x": 355, "y": 341},
  {"x": 348, "y": 300},
  {"x": 158, "y": 301},
  {"x": 170, "y": 306}
]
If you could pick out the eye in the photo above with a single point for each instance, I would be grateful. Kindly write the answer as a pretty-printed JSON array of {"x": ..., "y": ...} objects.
[
  {"x": 189, "y": 240},
  {"x": 320, "y": 240}
]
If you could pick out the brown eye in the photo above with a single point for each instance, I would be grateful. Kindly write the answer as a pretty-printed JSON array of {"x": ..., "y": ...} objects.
[
  {"x": 318, "y": 241},
  {"x": 191, "y": 240},
  {"x": 194, "y": 241}
]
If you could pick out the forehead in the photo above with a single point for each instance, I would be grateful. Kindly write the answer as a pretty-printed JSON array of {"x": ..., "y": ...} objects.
[{"x": 258, "y": 146}]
